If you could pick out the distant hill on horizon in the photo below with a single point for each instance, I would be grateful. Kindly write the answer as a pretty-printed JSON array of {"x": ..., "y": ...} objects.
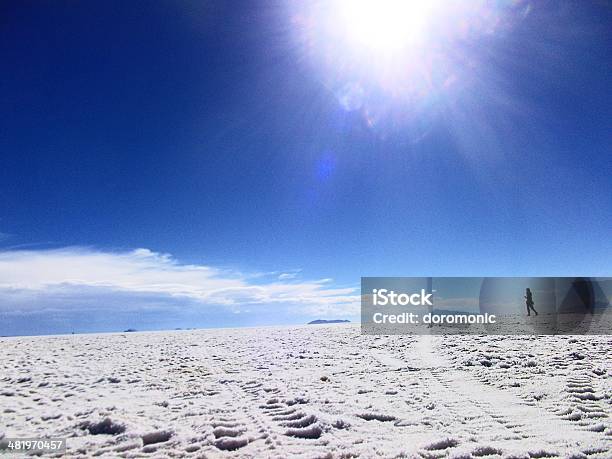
[{"x": 323, "y": 321}]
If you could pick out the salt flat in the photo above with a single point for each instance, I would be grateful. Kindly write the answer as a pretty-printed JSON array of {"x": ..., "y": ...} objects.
[{"x": 312, "y": 392}]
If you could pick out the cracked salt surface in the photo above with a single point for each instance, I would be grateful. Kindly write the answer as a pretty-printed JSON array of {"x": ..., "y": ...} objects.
[{"x": 315, "y": 391}]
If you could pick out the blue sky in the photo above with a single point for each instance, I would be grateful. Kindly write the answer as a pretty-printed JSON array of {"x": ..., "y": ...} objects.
[{"x": 241, "y": 138}]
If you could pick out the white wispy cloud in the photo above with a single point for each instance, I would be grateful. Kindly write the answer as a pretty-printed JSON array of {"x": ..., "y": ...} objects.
[
  {"x": 289, "y": 275},
  {"x": 75, "y": 271}
]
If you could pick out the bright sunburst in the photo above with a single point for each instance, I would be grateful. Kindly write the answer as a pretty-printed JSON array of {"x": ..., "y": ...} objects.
[
  {"x": 398, "y": 62},
  {"x": 385, "y": 26}
]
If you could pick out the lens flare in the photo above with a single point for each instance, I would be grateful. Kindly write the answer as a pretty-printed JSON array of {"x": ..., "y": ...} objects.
[{"x": 402, "y": 63}]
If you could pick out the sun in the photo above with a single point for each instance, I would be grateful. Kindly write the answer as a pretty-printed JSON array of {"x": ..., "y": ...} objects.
[
  {"x": 400, "y": 65},
  {"x": 384, "y": 26}
]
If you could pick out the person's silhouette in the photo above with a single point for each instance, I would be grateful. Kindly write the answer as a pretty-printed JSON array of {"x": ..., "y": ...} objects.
[{"x": 529, "y": 302}]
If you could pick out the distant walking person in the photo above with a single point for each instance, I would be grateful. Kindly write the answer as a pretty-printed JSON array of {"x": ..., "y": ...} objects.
[{"x": 529, "y": 302}]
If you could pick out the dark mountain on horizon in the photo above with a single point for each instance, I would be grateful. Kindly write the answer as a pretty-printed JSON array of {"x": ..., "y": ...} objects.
[{"x": 323, "y": 321}]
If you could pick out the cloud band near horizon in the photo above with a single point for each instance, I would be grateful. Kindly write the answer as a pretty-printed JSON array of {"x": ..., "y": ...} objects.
[{"x": 70, "y": 278}]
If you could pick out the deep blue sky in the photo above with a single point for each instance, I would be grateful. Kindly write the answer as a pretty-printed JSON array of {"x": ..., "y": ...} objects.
[{"x": 201, "y": 130}]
